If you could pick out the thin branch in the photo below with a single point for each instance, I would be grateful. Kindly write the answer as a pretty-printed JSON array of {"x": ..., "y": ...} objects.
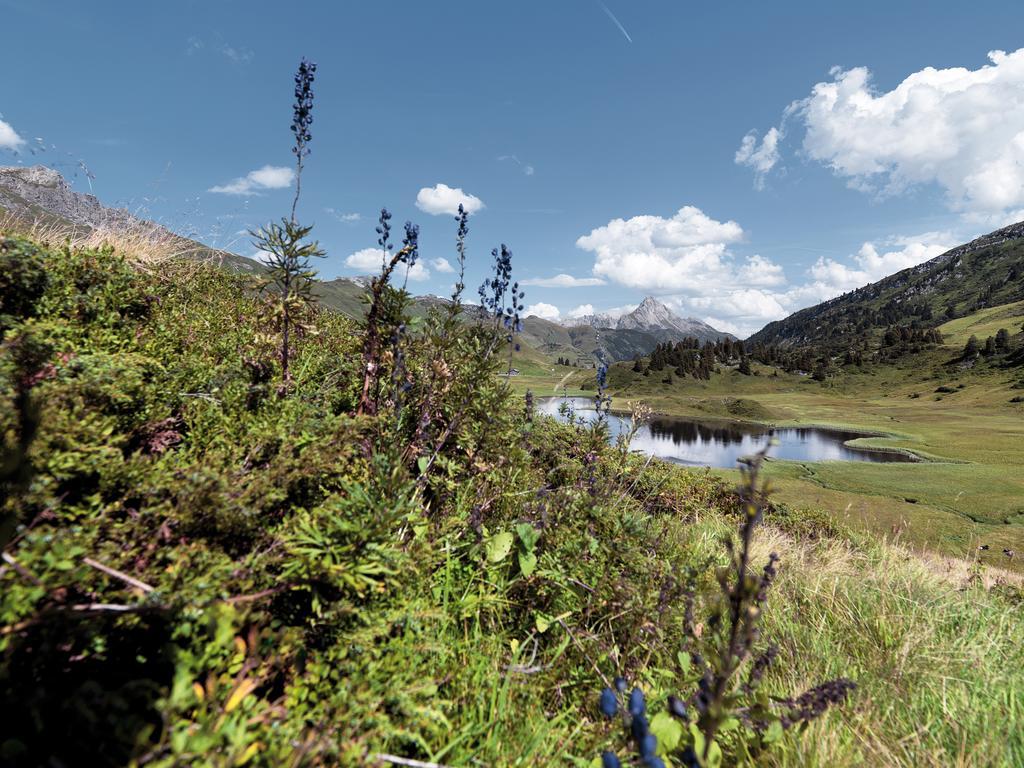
[
  {"x": 254, "y": 595},
  {"x": 117, "y": 574},
  {"x": 21, "y": 570},
  {"x": 395, "y": 760}
]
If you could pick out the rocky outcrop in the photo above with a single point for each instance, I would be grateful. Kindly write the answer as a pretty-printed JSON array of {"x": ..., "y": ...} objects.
[{"x": 25, "y": 191}]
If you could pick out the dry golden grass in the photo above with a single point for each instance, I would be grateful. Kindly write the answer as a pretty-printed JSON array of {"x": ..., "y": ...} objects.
[{"x": 146, "y": 245}]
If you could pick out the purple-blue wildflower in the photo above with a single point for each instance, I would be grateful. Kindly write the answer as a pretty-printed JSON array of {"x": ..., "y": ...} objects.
[
  {"x": 384, "y": 230},
  {"x": 610, "y": 760},
  {"x": 609, "y": 703},
  {"x": 637, "y": 705},
  {"x": 639, "y": 728},
  {"x": 648, "y": 745},
  {"x": 677, "y": 707},
  {"x": 302, "y": 116}
]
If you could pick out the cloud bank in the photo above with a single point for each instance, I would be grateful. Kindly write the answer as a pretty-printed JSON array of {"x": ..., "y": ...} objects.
[
  {"x": 686, "y": 259},
  {"x": 957, "y": 128}
]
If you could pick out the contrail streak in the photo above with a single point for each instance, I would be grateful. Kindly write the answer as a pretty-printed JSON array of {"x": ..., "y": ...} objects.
[{"x": 617, "y": 23}]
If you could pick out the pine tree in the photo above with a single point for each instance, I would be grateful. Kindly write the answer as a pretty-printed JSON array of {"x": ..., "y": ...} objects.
[{"x": 971, "y": 348}]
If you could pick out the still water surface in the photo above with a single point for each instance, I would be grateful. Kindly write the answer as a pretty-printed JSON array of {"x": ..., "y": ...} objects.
[{"x": 720, "y": 444}]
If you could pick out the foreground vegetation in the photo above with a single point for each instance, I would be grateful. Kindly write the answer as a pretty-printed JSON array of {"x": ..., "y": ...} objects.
[{"x": 207, "y": 568}]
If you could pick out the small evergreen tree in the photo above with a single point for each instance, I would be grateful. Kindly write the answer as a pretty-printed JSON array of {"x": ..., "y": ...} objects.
[
  {"x": 287, "y": 255},
  {"x": 971, "y": 348},
  {"x": 1002, "y": 340}
]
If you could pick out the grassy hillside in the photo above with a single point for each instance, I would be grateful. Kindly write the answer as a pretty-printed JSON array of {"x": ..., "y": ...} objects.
[
  {"x": 985, "y": 273},
  {"x": 205, "y": 565},
  {"x": 963, "y": 420}
]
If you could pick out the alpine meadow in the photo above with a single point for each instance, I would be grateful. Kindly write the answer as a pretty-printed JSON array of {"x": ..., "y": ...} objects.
[{"x": 572, "y": 469}]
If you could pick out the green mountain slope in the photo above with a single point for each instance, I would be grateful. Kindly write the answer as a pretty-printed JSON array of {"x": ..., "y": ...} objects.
[{"x": 986, "y": 272}]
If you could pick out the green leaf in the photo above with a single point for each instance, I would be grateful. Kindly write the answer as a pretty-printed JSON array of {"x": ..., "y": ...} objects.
[
  {"x": 684, "y": 662},
  {"x": 543, "y": 622},
  {"x": 527, "y": 563},
  {"x": 423, "y": 463},
  {"x": 714, "y": 759},
  {"x": 498, "y": 546},
  {"x": 528, "y": 535},
  {"x": 667, "y": 730},
  {"x": 698, "y": 739},
  {"x": 731, "y": 724},
  {"x": 772, "y": 733}
]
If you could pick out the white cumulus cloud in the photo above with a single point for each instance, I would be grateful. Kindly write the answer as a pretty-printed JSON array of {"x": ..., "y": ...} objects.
[
  {"x": 444, "y": 199},
  {"x": 254, "y": 182},
  {"x": 685, "y": 253},
  {"x": 958, "y": 128},
  {"x": 687, "y": 261},
  {"x": 581, "y": 311},
  {"x": 9, "y": 138},
  {"x": 563, "y": 281},
  {"x": 371, "y": 260},
  {"x": 441, "y": 264},
  {"x": 542, "y": 310}
]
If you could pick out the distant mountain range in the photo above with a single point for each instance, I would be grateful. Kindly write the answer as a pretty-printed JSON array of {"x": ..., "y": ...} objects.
[
  {"x": 652, "y": 315},
  {"x": 616, "y": 338},
  {"x": 986, "y": 272}
]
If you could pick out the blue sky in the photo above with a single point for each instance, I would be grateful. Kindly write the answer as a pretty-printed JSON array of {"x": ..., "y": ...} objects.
[{"x": 605, "y": 141}]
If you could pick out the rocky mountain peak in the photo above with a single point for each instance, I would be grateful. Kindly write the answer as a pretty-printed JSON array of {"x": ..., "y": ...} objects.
[{"x": 37, "y": 186}]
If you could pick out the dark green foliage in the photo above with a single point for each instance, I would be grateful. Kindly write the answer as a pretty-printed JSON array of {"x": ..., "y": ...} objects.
[
  {"x": 971, "y": 348},
  {"x": 23, "y": 280}
]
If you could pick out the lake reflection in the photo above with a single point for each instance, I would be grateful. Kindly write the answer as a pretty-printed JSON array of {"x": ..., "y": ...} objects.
[{"x": 720, "y": 444}]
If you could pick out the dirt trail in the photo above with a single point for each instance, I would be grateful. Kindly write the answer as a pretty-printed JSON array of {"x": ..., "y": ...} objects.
[{"x": 565, "y": 378}]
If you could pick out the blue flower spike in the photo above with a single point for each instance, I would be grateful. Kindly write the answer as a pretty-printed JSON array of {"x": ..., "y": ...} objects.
[
  {"x": 620, "y": 684},
  {"x": 637, "y": 705},
  {"x": 609, "y": 760},
  {"x": 676, "y": 707},
  {"x": 639, "y": 728},
  {"x": 609, "y": 704},
  {"x": 653, "y": 762},
  {"x": 648, "y": 746}
]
